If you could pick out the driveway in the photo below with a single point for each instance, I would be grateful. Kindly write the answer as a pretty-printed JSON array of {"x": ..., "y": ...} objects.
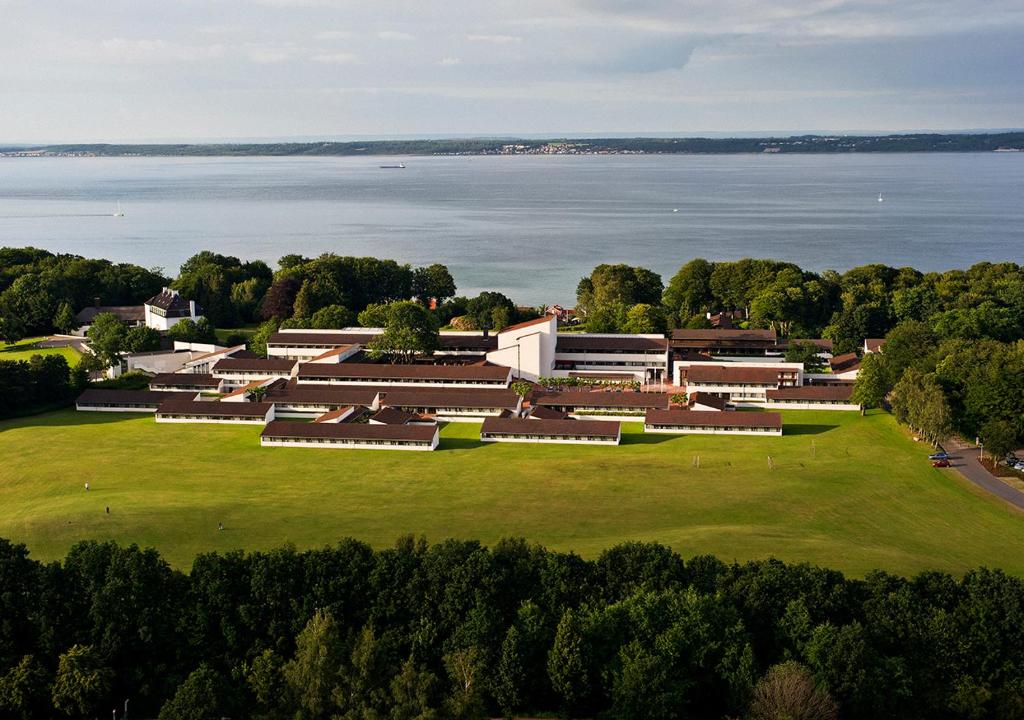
[{"x": 965, "y": 459}]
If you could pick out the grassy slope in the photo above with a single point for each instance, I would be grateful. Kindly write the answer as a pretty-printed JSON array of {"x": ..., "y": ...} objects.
[
  {"x": 25, "y": 349},
  {"x": 866, "y": 498}
]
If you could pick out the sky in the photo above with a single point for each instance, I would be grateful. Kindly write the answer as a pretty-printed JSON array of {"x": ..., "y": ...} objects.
[{"x": 137, "y": 70}]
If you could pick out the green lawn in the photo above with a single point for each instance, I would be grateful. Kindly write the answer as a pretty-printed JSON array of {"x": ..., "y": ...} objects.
[
  {"x": 25, "y": 349},
  {"x": 863, "y": 497}
]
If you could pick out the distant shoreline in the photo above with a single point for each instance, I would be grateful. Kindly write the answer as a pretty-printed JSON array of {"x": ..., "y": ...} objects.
[{"x": 793, "y": 145}]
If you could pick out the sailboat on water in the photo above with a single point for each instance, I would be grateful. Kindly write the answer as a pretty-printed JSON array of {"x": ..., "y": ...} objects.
[
  {"x": 119, "y": 212},
  {"x": 880, "y": 198}
]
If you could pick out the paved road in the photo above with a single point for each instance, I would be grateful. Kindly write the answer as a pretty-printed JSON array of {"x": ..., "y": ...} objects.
[
  {"x": 58, "y": 341},
  {"x": 965, "y": 460}
]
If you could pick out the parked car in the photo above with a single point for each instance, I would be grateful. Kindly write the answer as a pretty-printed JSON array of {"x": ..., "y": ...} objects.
[
  {"x": 943, "y": 462},
  {"x": 1018, "y": 465},
  {"x": 943, "y": 455}
]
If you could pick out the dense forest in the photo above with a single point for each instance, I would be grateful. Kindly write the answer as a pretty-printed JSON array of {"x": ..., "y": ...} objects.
[
  {"x": 458, "y": 630},
  {"x": 921, "y": 142}
]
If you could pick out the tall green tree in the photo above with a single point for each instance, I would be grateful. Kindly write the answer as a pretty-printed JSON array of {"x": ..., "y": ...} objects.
[
  {"x": 871, "y": 386},
  {"x": 409, "y": 331},
  {"x": 312, "y": 675},
  {"x": 107, "y": 337},
  {"x": 82, "y": 681}
]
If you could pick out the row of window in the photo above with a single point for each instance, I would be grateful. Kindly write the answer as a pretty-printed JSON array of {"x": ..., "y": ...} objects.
[
  {"x": 180, "y": 416},
  {"x": 536, "y": 436},
  {"x": 659, "y": 354},
  {"x": 344, "y": 441},
  {"x": 147, "y": 406},
  {"x": 742, "y": 428}
]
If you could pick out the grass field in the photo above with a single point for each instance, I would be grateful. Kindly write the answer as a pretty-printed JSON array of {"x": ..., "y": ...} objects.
[
  {"x": 847, "y": 492},
  {"x": 24, "y": 349}
]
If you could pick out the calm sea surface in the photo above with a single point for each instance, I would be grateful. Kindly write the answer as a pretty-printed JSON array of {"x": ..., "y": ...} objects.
[{"x": 528, "y": 226}]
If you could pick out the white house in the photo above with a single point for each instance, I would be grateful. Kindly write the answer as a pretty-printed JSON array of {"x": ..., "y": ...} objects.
[
  {"x": 695, "y": 422},
  {"x": 572, "y": 432},
  {"x": 167, "y": 308},
  {"x": 351, "y": 436}
]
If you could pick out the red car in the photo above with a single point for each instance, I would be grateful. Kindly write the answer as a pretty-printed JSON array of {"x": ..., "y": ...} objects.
[{"x": 941, "y": 463}]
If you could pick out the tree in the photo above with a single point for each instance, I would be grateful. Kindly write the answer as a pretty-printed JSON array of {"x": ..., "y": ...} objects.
[
  {"x": 806, "y": 352},
  {"x": 644, "y": 318},
  {"x": 522, "y": 388},
  {"x": 465, "y": 669},
  {"x": 569, "y": 662},
  {"x": 258, "y": 342},
  {"x": 64, "y": 320},
  {"x": 998, "y": 437},
  {"x": 689, "y": 291},
  {"x": 610, "y": 290},
  {"x": 788, "y": 692},
  {"x": 141, "y": 338},
  {"x": 24, "y": 690},
  {"x": 257, "y": 393},
  {"x": 432, "y": 282},
  {"x": 409, "y": 330},
  {"x": 82, "y": 680},
  {"x": 203, "y": 696},
  {"x": 280, "y": 298},
  {"x": 870, "y": 388},
  {"x": 312, "y": 674},
  {"x": 490, "y": 310},
  {"x": 106, "y": 337},
  {"x": 413, "y": 693},
  {"x": 12, "y": 329},
  {"x": 193, "y": 331},
  {"x": 332, "y": 317}
]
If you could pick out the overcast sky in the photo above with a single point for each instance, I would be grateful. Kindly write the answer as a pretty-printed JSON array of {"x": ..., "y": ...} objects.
[{"x": 79, "y": 70}]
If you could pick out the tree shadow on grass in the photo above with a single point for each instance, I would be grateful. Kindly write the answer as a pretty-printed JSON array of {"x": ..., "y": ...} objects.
[{"x": 806, "y": 429}]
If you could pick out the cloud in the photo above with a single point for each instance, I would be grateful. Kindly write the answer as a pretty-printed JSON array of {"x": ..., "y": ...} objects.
[
  {"x": 395, "y": 35},
  {"x": 449, "y": 61},
  {"x": 495, "y": 39},
  {"x": 336, "y": 58}
]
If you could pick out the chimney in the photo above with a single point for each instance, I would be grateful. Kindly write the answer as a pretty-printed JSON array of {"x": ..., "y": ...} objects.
[{"x": 192, "y": 308}]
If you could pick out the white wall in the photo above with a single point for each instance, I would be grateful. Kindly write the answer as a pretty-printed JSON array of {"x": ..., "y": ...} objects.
[
  {"x": 271, "y": 442},
  {"x": 90, "y": 408},
  {"x": 554, "y": 441},
  {"x": 810, "y": 406},
  {"x": 528, "y": 350},
  {"x": 709, "y": 431}
]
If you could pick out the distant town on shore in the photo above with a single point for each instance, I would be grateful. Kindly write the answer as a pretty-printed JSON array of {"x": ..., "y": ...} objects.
[{"x": 805, "y": 144}]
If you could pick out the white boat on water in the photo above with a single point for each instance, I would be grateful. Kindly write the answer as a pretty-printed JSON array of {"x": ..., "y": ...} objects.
[
  {"x": 399, "y": 166},
  {"x": 119, "y": 212},
  {"x": 880, "y": 198}
]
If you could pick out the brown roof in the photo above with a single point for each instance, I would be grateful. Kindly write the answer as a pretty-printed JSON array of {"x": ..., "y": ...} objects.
[
  {"x": 185, "y": 405},
  {"x": 581, "y": 342},
  {"x": 393, "y": 416},
  {"x": 545, "y": 413},
  {"x": 185, "y": 380},
  {"x": 124, "y": 313},
  {"x": 712, "y": 418},
  {"x": 445, "y": 342},
  {"x": 844, "y": 363},
  {"x": 256, "y": 365},
  {"x": 233, "y": 350},
  {"x": 293, "y": 393},
  {"x": 552, "y": 428},
  {"x": 169, "y": 300},
  {"x": 333, "y": 352},
  {"x": 586, "y": 398},
  {"x": 449, "y": 398},
  {"x": 724, "y": 334},
  {"x": 93, "y": 396},
  {"x": 527, "y": 323},
  {"x": 331, "y": 414},
  {"x": 384, "y": 371},
  {"x": 874, "y": 344},
  {"x": 350, "y": 431},
  {"x": 734, "y": 373},
  {"x": 708, "y": 400},
  {"x": 811, "y": 393}
]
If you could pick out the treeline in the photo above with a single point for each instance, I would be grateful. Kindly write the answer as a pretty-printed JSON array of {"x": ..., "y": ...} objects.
[
  {"x": 43, "y": 381},
  {"x": 920, "y": 142},
  {"x": 41, "y": 291},
  {"x": 457, "y": 630},
  {"x": 986, "y": 301}
]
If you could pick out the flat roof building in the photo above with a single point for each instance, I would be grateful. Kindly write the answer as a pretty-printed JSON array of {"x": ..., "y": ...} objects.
[
  {"x": 601, "y": 405},
  {"x": 113, "y": 400},
  {"x": 185, "y": 382},
  {"x": 352, "y": 436},
  {"x": 813, "y": 397},
  {"x": 695, "y": 422},
  {"x": 409, "y": 375},
  {"x": 182, "y": 409},
  {"x": 577, "y": 432}
]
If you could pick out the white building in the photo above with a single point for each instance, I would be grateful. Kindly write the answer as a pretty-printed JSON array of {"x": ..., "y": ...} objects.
[
  {"x": 167, "y": 308},
  {"x": 528, "y": 348},
  {"x": 572, "y": 432},
  {"x": 695, "y": 422}
]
